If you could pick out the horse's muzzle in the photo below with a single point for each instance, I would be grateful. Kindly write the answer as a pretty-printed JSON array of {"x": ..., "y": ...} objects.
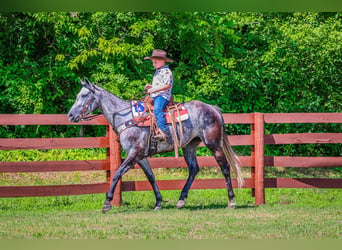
[{"x": 73, "y": 118}]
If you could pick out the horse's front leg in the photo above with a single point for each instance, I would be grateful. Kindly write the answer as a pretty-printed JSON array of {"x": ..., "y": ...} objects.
[{"x": 124, "y": 167}]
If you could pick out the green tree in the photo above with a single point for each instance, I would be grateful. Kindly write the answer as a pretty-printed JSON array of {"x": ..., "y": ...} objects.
[{"x": 241, "y": 62}]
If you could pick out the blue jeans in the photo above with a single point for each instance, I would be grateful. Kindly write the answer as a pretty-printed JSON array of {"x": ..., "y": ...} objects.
[{"x": 159, "y": 105}]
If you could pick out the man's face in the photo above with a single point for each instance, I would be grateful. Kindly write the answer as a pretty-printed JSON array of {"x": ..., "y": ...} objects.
[{"x": 158, "y": 63}]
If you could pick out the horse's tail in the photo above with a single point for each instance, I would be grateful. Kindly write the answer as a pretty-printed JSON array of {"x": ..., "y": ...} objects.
[{"x": 233, "y": 160}]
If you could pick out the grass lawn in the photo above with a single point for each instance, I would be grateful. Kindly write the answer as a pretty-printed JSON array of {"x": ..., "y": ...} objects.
[{"x": 288, "y": 214}]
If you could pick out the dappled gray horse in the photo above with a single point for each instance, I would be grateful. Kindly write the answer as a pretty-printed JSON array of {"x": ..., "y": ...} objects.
[{"x": 205, "y": 124}]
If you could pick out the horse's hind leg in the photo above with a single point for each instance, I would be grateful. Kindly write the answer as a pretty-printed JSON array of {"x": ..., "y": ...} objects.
[
  {"x": 225, "y": 168},
  {"x": 213, "y": 138},
  {"x": 146, "y": 167},
  {"x": 214, "y": 145},
  {"x": 191, "y": 160}
]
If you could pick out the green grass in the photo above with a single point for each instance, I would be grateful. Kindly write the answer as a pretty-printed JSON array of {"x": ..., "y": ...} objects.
[{"x": 288, "y": 214}]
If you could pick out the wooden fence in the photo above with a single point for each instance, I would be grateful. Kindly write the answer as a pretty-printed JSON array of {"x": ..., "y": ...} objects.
[{"x": 257, "y": 139}]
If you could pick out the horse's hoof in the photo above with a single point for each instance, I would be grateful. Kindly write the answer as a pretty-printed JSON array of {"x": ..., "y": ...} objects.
[
  {"x": 157, "y": 208},
  {"x": 180, "y": 203},
  {"x": 232, "y": 205},
  {"x": 106, "y": 208}
]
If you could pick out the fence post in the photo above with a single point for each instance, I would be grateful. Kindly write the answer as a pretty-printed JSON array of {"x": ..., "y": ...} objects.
[
  {"x": 114, "y": 154},
  {"x": 253, "y": 156},
  {"x": 259, "y": 158}
]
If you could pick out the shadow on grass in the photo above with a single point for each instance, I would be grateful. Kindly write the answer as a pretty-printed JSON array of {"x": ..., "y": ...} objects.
[
  {"x": 127, "y": 207},
  {"x": 214, "y": 206}
]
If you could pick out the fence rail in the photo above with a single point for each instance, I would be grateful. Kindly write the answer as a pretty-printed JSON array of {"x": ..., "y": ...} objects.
[{"x": 257, "y": 161}]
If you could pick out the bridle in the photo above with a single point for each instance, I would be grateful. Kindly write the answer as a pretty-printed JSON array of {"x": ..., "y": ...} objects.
[
  {"x": 91, "y": 117},
  {"x": 88, "y": 117},
  {"x": 85, "y": 108}
]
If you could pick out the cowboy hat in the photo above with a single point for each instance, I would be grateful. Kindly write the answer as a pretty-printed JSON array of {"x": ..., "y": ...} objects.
[{"x": 158, "y": 53}]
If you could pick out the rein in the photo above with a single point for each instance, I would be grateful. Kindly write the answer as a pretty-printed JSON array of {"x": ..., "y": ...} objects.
[{"x": 91, "y": 117}]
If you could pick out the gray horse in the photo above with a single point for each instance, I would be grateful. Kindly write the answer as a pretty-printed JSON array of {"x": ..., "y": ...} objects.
[{"x": 205, "y": 124}]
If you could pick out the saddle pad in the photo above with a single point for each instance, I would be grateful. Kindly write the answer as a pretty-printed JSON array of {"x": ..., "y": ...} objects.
[
  {"x": 138, "y": 109},
  {"x": 142, "y": 118}
]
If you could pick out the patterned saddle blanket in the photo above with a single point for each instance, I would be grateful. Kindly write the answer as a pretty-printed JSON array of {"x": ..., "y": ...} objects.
[{"x": 142, "y": 116}]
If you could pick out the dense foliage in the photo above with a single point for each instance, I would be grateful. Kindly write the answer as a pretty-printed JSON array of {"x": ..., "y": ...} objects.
[{"x": 241, "y": 62}]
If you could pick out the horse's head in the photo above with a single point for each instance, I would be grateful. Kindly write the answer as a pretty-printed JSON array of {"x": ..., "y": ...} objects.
[{"x": 86, "y": 102}]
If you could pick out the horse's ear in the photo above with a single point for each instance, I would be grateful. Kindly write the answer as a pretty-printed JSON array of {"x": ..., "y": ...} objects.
[
  {"x": 83, "y": 83},
  {"x": 87, "y": 80},
  {"x": 87, "y": 84}
]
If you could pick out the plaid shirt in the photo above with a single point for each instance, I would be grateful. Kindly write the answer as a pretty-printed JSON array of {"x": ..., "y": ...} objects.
[{"x": 162, "y": 77}]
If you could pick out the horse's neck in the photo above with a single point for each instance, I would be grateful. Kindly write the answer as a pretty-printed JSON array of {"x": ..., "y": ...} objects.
[{"x": 114, "y": 109}]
